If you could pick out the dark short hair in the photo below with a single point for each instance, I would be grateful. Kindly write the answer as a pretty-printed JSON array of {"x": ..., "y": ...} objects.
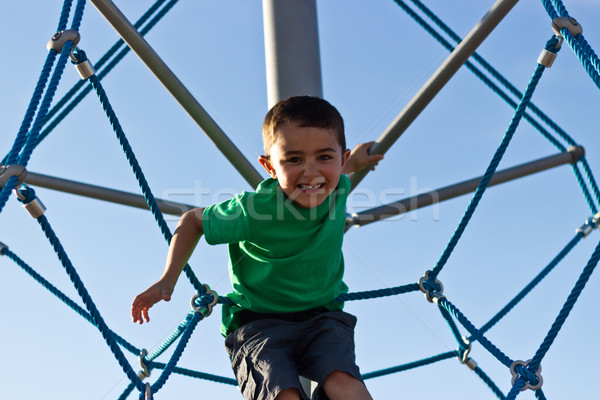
[{"x": 306, "y": 111}]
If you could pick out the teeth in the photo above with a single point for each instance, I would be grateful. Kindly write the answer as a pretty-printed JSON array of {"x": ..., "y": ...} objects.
[{"x": 310, "y": 187}]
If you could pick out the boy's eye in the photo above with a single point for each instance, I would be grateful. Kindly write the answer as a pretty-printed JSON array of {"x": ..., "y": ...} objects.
[
  {"x": 294, "y": 159},
  {"x": 325, "y": 157}
]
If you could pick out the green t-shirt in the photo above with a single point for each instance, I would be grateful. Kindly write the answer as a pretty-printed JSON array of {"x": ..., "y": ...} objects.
[{"x": 282, "y": 258}]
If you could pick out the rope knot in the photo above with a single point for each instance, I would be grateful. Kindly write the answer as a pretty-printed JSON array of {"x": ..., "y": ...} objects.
[
  {"x": 433, "y": 289},
  {"x": 533, "y": 380},
  {"x": 31, "y": 202},
  {"x": 25, "y": 194},
  {"x": 203, "y": 303}
]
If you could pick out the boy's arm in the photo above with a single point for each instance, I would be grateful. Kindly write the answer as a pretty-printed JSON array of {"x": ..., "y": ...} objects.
[
  {"x": 189, "y": 230},
  {"x": 360, "y": 158}
]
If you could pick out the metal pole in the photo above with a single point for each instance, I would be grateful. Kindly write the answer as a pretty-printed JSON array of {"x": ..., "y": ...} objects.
[
  {"x": 152, "y": 60},
  {"x": 291, "y": 49},
  {"x": 432, "y": 87},
  {"x": 449, "y": 192},
  {"x": 102, "y": 193},
  {"x": 292, "y": 60}
]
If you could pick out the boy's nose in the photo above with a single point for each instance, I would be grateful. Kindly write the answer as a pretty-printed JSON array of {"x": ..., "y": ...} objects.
[{"x": 311, "y": 169}]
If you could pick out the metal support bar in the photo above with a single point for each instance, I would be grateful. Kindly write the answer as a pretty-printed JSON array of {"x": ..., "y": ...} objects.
[
  {"x": 449, "y": 192},
  {"x": 152, "y": 60},
  {"x": 292, "y": 55},
  {"x": 102, "y": 193},
  {"x": 433, "y": 86}
]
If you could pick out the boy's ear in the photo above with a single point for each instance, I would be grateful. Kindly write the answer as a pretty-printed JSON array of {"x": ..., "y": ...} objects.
[
  {"x": 266, "y": 163},
  {"x": 345, "y": 156}
]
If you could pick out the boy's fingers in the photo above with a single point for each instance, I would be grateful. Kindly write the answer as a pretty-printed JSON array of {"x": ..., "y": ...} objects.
[{"x": 145, "y": 314}]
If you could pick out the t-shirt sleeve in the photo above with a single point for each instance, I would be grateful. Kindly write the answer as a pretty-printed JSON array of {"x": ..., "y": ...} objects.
[{"x": 226, "y": 222}]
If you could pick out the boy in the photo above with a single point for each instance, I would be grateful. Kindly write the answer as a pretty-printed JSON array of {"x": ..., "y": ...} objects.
[{"x": 285, "y": 259}]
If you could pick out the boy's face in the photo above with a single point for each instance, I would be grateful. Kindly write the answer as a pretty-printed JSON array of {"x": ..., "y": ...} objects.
[{"x": 307, "y": 162}]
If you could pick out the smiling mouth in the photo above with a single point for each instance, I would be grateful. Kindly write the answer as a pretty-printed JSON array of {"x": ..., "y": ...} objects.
[{"x": 311, "y": 187}]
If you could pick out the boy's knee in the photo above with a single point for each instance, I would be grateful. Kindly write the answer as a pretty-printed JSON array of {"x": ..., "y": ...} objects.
[
  {"x": 338, "y": 380},
  {"x": 288, "y": 394},
  {"x": 341, "y": 385}
]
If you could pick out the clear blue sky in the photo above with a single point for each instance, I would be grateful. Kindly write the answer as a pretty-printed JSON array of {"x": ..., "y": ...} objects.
[{"x": 374, "y": 59}]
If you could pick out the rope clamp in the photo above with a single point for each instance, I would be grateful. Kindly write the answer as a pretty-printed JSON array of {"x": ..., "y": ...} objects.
[
  {"x": 8, "y": 171},
  {"x": 464, "y": 358},
  {"x": 82, "y": 64},
  {"x": 57, "y": 42},
  {"x": 589, "y": 225},
  {"x": 432, "y": 293},
  {"x": 208, "y": 307},
  {"x": 547, "y": 58},
  {"x": 34, "y": 207},
  {"x": 565, "y": 22},
  {"x": 2, "y": 248},
  {"x": 523, "y": 365},
  {"x": 145, "y": 372}
]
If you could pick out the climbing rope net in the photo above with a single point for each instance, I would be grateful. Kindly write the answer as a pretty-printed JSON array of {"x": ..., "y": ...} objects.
[{"x": 40, "y": 119}]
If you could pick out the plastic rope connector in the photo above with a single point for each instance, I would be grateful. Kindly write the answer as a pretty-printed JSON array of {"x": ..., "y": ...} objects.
[
  {"x": 433, "y": 289},
  {"x": 145, "y": 372},
  {"x": 589, "y": 225},
  {"x": 527, "y": 375},
  {"x": 202, "y": 303},
  {"x": 8, "y": 171},
  {"x": 57, "y": 42},
  {"x": 2, "y": 248}
]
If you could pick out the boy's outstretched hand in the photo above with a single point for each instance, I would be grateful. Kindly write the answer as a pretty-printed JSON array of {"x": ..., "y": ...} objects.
[
  {"x": 143, "y": 301},
  {"x": 361, "y": 159}
]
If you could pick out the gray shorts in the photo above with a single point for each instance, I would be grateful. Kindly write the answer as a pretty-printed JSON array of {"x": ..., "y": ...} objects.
[{"x": 267, "y": 355}]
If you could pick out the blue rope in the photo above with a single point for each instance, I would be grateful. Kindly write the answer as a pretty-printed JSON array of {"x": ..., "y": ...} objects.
[
  {"x": 101, "y": 72},
  {"x": 487, "y": 177},
  {"x": 373, "y": 294},
  {"x": 488, "y": 381},
  {"x": 87, "y": 300},
  {"x": 197, "y": 374},
  {"x": 521, "y": 295},
  {"x": 139, "y": 175},
  {"x": 21, "y": 138},
  {"x": 567, "y": 307},
  {"x": 176, "y": 354},
  {"x": 64, "y": 15},
  {"x": 45, "y": 104},
  {"x": 475, "y": 333},
  {"x": 64, "y": 298},
  {"x": 78, "y": 15},
  {"x": 121, "y": 341},
  {"x": 127, "y": 391},
  {"x": 412, "y": 365},
  {"x": 511, "y": 88},
  {"x": 588, "y": 59}
]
